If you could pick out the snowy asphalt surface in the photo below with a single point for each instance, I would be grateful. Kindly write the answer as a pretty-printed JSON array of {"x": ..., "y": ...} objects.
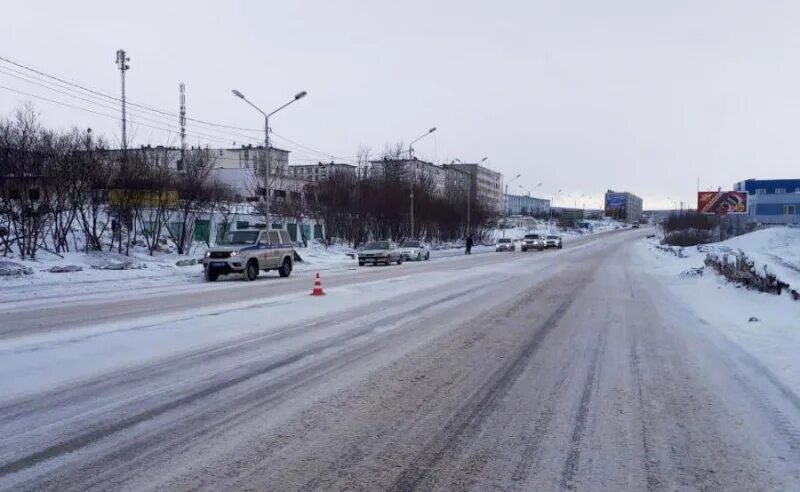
[{"x": 569, "y": 369}]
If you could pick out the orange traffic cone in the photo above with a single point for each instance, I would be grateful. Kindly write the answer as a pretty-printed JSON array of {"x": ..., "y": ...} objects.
[{"x": 317, "y": 287}]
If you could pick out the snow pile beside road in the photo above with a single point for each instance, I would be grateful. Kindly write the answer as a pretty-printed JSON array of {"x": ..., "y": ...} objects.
[
  {"x": 764, "y": 325},
  {"x": 95, "y": 272},
  {"x": 775, "y": 250},
  {"x": 319, "y": 257},
  {"x": 544, "y": 228}
]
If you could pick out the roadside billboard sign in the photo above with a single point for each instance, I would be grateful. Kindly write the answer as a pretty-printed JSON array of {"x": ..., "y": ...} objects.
[
  {"x": 722, "y": 202},
  {"x": 615, "y": 201}
]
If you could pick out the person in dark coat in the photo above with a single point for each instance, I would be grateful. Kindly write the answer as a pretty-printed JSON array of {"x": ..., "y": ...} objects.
[{"x": 469, "y": 245}]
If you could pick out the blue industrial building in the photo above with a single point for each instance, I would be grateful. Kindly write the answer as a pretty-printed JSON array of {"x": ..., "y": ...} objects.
[{"x": 772, "y": 201}]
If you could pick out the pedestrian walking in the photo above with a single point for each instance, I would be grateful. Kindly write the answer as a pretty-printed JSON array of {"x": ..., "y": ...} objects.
[{"x": 469, "y": 245}]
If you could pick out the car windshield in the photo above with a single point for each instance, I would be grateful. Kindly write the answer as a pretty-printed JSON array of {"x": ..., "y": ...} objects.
[
  {"x": 240, "y": 237},
  {"x": 378, "y": 245},
  {"x": 504, "y": 240},
  {"x": 531, "y": 236},
  {"x": 552, "y": 237},
  {"x": 411, "y": 244}
]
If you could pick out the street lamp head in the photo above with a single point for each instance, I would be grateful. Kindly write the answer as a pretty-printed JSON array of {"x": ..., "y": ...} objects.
[
  {"x": 518, "y": 175},
  {"x": 300, "y": 95},
  {"x": 238, "y": 94},
  {"x": 432, "y": 130},
  {"x": 484, "y": 159}
]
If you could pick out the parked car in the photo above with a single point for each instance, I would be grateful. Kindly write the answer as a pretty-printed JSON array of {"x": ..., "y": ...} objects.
[
  {"x": 505, "y": 244},
  {"x": 532, "y": 241},
  {"x": 553, "y": 242},
  {"x": 385, "y": 252},
  {"x": 414, "y": 250},
  {"x": 248, "y": 252},
  {"x": 635, "y": 224}
]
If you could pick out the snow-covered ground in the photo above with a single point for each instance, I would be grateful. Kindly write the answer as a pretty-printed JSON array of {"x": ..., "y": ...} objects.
[
  {"x": 152, "y": 273},
  {"x": 546, "y": 228},
  {"x": 84, "y": 351},
  {"x": 773, "y": 337}
]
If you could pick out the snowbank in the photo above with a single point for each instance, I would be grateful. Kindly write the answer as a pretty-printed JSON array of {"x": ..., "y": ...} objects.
[
  {"x": 764, "y": 325},
  {"x": 775, "y": 249},
  {"x": 544, "y": 227}
]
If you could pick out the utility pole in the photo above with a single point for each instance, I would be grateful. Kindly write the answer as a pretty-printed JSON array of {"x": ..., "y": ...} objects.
[
  {"x": 122, "y": 63},
  {"x": 267, "y": 171},
  {"x": 268, "y": 149},
  {"x": 411, "y": 181},
  {"x": 413, "y": 174},
  {"x": 182, "y": 122},
  {"x": 469, "y": 199}
]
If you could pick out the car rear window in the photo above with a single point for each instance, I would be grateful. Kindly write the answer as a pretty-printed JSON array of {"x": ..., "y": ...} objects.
[
  {"x": 506, "y": 240},
  {"x": 531, "y": 236},
  {"x": 552, "y": 237},
  {"x": 378, "y": 245},
  {"x": 411, "y": 244}
]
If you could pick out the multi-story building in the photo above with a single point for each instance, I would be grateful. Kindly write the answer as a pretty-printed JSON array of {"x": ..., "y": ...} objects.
[
  {"x": 245, "y": 157},
  {"x": 456, "y": 181},
  {"x": 525, "y": 205},
  {"x": 623, "y": 206},
  {"x": 321, "y": 171},
  {"x": 412, "y": 169},
  {"x": 772, "y": 201},
  {"x": 486, "y": 186},
  {"x": 248, "y": 157}
]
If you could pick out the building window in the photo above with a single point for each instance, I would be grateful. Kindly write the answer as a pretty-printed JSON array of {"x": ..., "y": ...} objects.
[
  {"x": 789, "y": 210},
  {"x": 761, "y": 191},
  {"x": 780, "y": 191}
]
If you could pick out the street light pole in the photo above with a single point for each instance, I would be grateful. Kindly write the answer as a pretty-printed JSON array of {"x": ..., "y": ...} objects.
[
  {"x": 412, "y": 175},
  {"x": 268, "y": 149}
]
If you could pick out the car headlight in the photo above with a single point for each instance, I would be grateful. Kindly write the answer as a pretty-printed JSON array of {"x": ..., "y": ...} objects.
[
  {"x": 234, "y": 253},
  {"x": 208, "y": 254}
]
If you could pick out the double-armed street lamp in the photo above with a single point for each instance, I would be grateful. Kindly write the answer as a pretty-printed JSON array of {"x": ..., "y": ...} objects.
[{"x": 268, "y": 166}]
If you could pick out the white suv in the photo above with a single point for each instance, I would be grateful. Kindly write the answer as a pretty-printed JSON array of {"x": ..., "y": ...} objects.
[{"x": 248, "y": 252}]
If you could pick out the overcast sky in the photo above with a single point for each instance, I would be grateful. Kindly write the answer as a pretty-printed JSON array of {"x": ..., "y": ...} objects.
[{"x": 641, "y": 96}]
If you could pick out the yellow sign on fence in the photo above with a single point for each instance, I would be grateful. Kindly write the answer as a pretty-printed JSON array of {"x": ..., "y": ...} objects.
[{"x": 142, "y": 197}]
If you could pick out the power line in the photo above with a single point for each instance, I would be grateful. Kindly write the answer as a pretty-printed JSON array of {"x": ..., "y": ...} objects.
[
  {"x": 163, "y": 113},
  {"x": 114, "y": 98},
  {"x": 79, "y": 108},
  {"x": 140, "y": 116}
]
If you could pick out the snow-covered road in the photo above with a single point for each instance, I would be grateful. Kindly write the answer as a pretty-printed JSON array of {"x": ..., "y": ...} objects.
[{"x": 572, "y": 369}]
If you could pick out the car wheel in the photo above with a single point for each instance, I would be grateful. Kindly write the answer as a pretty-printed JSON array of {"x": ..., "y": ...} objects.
[
  {"x": 211, "y": 276},
  {"x": 400, "y": 260},
  {"x": 360, "y": 263},
  {"x": 427, "y": 256},
  {"x": 286, "y": 268},
  {"x": 251, "y": 272},
  {"x": 419, "y": 256},
  {"x": 559, "y": 246}
]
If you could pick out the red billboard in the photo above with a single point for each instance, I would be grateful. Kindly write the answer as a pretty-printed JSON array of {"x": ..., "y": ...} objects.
[{"x": 722, "y": 202}]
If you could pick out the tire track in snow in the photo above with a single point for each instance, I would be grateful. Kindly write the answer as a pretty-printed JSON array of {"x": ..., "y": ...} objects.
[
  {"x": 478, "y": 406},
  {"x": 579, "y": 427},
  {"x": 102, "y": 431}
]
